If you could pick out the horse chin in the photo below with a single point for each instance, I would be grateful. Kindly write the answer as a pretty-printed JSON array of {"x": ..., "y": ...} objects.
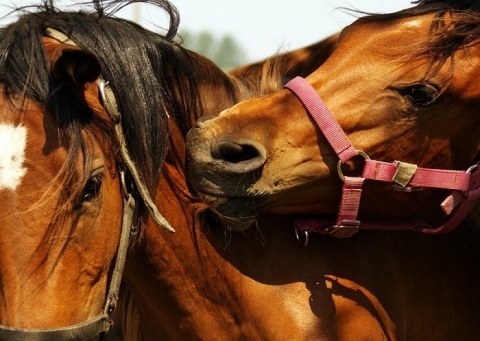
[
  {"x": 236, "y": 224},
  {"x": 240, "y": 213},
  {"x": 234, "y": 213}
]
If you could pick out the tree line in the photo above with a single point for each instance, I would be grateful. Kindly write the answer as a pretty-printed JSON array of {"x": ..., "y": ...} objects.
[{"x": 223, "y": 50}]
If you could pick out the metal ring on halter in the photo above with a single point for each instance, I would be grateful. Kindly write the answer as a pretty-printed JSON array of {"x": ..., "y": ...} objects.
[
  {"x": 339, "y": 165},
  {"x": 129, "y": 190},
  {"x": 302, "y": 239},
  {"x": 123, "y": 181},
  {"x": 128, "y": 185},
  {"x": 470, "y": 170}
]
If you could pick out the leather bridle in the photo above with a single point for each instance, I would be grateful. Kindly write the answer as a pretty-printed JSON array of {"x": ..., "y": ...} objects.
[
  {"x": 464, "y": 185},
  {"x": 131, "y": 182}
]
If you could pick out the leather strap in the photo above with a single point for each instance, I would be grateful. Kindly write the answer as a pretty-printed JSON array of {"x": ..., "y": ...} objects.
[
  {"x": 317, "y": 108},
  {"x": 423, "y": 177},
  {"x": 79, "y": 332},
  {"x": 109, "y": 102}
]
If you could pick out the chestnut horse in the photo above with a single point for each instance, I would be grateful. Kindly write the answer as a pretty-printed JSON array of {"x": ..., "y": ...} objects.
[
  {"x": 70, "y": 165},
  {"x": 402, "y": 86}
]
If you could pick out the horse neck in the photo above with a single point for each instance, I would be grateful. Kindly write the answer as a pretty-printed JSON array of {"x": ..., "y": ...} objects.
[
  {"x": 188, "y": 285},
  {"x": 182, "y": 287},
  {"x": 180, "y": 283},
  {"x": 167, "y": 275},
  {"x": 194, "y": 284}
]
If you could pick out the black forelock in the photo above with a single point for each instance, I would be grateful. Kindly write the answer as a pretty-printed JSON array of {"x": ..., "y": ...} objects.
[{"x": 143, "y": 68}]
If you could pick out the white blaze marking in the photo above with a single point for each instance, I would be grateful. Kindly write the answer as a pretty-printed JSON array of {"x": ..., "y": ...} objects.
[{"x": 13, "y": 140}]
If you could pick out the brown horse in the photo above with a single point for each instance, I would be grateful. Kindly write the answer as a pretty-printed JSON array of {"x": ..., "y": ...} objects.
[
  {"x": 417, "y": 92},
  {"x": 402, "y": 86},
  {"x": 69, "y": 162}
]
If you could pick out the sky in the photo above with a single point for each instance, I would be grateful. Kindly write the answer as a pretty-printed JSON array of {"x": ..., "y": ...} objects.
[
  {"x": 264, "y": 27},
  {"x": 261, "y": 27}
]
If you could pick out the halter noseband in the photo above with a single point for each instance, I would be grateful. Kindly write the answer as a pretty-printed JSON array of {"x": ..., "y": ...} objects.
[
  {"x": 465, "y": 185},
  {"x": 102, "y": 323}
]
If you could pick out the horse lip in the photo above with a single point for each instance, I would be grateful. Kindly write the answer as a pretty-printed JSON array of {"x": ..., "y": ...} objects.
[
  {"x": 216, "y": 200},
  {"x": 213, "y": 200}
]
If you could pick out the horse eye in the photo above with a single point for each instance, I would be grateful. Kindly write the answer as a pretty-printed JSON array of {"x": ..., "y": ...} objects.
[
  {"x": 420, "y": 94},
  {"x": 91, "y": 189}
]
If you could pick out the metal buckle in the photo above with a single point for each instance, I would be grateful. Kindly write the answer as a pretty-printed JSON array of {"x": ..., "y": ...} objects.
[
  {"x": 473, "y": 168},
  {"x": 129, "y": 190},
  {"x": 128, "y": 186},
  {"x": 404, "y": 173},
  {"x": 343, "y": 231},
  {"x": 340, "y": 163},
  {"x": 470, "y": 170}
]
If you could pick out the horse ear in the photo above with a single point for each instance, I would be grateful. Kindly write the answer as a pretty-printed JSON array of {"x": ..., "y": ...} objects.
[{"x": 71, "y": 63}]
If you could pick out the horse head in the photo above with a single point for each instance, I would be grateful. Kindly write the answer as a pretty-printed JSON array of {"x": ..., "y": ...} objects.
[
  {"x": 400, "y": 86},
  {"x": 68, "y": 170},
  {"x": 59, "y": 189}
]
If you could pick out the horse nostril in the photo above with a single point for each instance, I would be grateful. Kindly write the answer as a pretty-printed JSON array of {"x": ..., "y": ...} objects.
[{"x": 233, "y": 152}]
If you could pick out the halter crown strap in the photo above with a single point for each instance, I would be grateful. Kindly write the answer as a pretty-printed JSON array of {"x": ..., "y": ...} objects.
[
  {"x": 465, "y": 185},
  {"x": 110, "y": 103}
]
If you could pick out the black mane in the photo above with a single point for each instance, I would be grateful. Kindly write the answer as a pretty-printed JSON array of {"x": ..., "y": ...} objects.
[{"x": 144, "y": 69}]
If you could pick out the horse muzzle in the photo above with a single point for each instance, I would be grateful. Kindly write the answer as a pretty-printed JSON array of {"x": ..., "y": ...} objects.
[{"x": 218, "y": 164}]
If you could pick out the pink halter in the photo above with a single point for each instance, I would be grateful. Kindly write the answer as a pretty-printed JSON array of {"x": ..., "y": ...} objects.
[{"x": 465, "y": 185}]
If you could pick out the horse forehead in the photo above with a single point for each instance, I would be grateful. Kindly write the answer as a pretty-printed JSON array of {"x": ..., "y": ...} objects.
[
  {"x": 387, "y": 33},
  {"x": 13, "y": 143}
]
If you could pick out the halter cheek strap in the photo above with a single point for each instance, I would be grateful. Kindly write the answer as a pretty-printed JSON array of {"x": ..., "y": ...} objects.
[
  {"x": 110, "y": 103},
  {"x": 465, "y": 185}
]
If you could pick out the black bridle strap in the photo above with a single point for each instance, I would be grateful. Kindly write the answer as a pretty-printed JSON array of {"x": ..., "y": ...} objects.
[{"x": 78, "y": 332}]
